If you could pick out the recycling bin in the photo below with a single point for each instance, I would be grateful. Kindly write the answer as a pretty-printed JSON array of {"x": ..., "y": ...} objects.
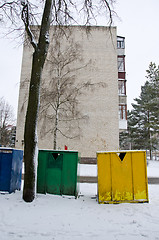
[
  {"x": 122, "y": 177},
  {"x": 57, "y": 172},
  {"x": 10, "y": 169}
]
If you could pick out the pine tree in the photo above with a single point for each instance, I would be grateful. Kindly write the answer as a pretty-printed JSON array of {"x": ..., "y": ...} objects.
[
  {"x": 143, "y": 120},
  {"x": 153, "y": 77}
]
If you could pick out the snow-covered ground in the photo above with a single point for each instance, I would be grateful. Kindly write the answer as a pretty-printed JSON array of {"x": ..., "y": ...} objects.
[
  {"x": 153, "y": 169},
  {"x": 53, "y": 217}
]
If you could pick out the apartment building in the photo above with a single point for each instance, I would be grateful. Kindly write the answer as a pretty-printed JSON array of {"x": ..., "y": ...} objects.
[{"x": 96, "y": 74}]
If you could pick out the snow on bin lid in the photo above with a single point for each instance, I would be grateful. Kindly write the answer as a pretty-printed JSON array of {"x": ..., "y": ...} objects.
[
  {"x": 6, "y": 150},
  {"x": 52, "y": 150},
  {"x": 121, "y": 151}
]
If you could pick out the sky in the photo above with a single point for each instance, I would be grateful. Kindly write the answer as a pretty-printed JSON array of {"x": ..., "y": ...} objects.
[{"x": 137, "y": 21}]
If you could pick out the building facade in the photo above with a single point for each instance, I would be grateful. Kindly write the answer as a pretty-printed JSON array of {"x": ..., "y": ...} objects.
[
  {"x": 122, "y": 84},
  {"x": 90, "y": 64}
]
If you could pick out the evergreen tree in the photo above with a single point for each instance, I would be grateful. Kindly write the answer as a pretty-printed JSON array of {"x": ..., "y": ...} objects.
[
  {"x": 143, "y": 120},
  {"x": 153, "y": 77}
]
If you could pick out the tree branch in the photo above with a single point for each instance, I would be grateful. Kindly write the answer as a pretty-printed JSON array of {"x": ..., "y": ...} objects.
[
  {"x": 67, "y": 136},
  {"x": 8, "y": 4},
  {"x": 25, "y": 19},
  {"x": 110, "y": 11}
]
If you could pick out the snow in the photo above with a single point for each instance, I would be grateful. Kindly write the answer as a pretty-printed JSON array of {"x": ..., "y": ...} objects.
[
  {"x": 54, "y": 217},
  {"x": 88, "y": 170},
  {"x": 153, "y": 169},
  {"x": 91, "y": 170}
]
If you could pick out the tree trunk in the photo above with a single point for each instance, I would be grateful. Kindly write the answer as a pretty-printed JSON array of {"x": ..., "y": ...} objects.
[
  {"x": 30, "y": 132},
  {"x": 149, "y": 136},
  {"x": 30, "y": 136},
  {"x": 57, "y": 110},
  {"x": 55, "y": 133}
]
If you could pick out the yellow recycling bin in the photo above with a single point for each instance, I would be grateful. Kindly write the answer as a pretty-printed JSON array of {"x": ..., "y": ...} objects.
[{"x": 122, "y": 177}]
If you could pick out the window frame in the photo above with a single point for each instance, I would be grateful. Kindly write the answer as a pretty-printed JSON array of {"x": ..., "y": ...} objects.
[
  {"x": 122, "y": 61},
  {"x": 123, "y": 111},
  {"x": 122, "y": 87},
  {"x": 120, "y": 43}
]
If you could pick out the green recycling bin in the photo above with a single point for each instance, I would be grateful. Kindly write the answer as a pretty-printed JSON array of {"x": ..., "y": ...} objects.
[{"x": 57, "y": 172}]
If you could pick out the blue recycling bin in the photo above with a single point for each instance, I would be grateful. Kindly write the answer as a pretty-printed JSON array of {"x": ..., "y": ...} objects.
[{"x": 10, "y": 169}]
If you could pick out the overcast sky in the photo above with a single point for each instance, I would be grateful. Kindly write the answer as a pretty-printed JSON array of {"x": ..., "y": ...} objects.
[{"x": 139, "y": 21}]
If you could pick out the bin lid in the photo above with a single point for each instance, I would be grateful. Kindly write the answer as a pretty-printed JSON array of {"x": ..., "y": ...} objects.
[
  {"x": 121, "y": 151},
  {"x": 52, "y": 150}
]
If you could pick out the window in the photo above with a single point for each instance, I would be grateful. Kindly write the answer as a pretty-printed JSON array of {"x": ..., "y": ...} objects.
[
  {"x": 121, "y": 64},
  {"x": 120, "y": 42},
  {"x": 122, "y": 87},
  {"x": 123, "y": 112}
]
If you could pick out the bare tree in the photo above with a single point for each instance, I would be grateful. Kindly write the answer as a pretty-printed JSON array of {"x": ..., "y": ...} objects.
[
  {"x": 49, "y": 11},
  {"x": 6, "y": 122},
  {"x": 59, "y": 101}
]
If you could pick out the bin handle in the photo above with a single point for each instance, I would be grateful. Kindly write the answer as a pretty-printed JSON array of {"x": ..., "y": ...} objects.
[
  {"x": 55, "y": 155},
  {"x": 121, "y": 155}
]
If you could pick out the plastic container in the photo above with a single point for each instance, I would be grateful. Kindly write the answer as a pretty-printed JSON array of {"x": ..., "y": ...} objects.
[
  {"x": 122, "y": 177},
  {"x": 10, "y": 169},
  {"x": 57, "y": 172}
]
